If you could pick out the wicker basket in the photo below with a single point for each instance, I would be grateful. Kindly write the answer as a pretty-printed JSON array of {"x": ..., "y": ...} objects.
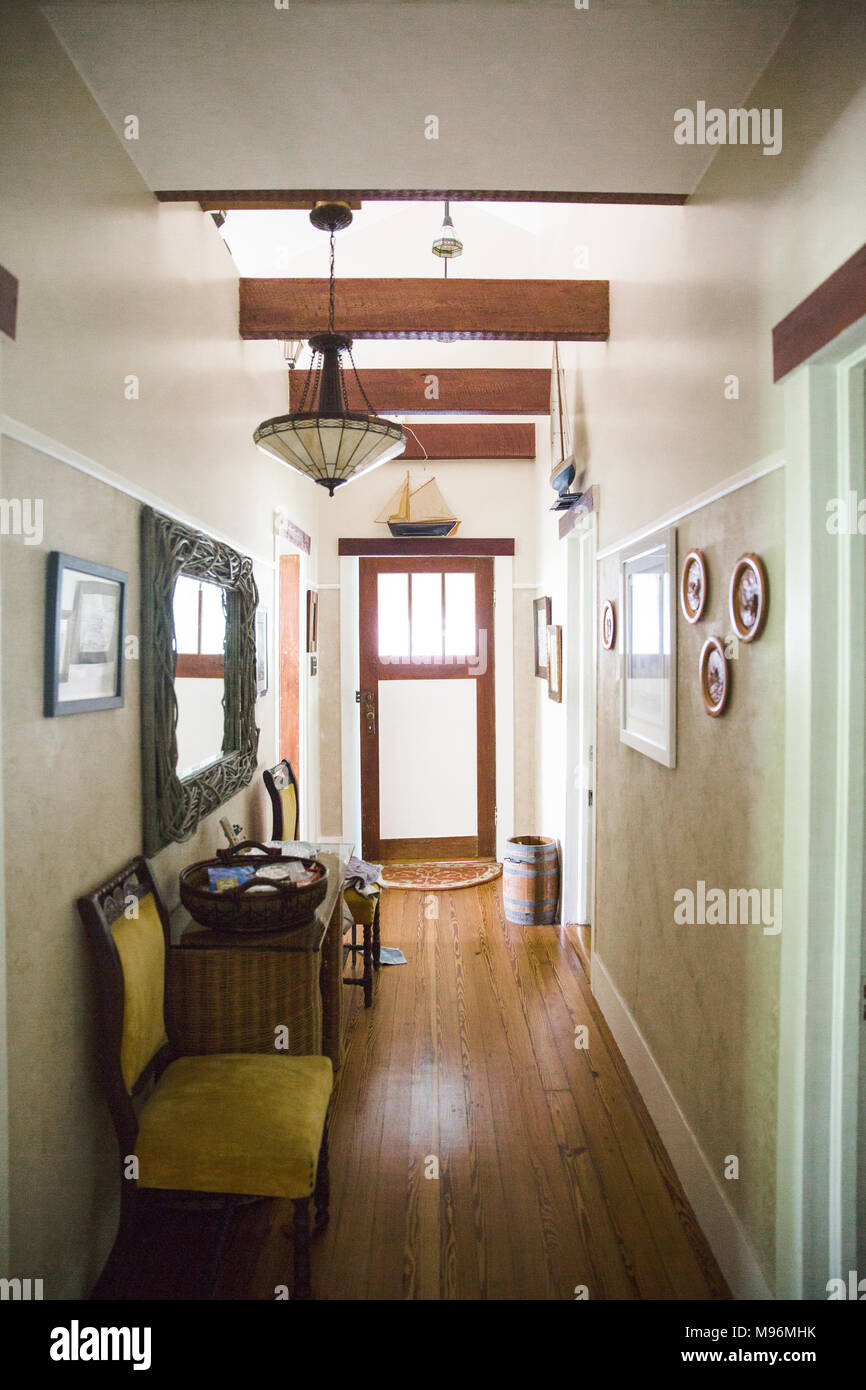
[{"x": 258, "y": 905}]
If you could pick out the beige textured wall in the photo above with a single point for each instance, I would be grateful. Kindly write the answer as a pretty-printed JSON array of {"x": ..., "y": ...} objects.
[
  {"x": 111, "y": 284},
  {"x": 704, "y": 997},
  {"x": 72, "y": 790},
  {"x": 694, "y": 295}
]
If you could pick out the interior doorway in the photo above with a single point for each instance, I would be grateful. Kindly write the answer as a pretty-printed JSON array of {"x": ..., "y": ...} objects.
[
  {"x": 427, "y": 708},
  {"x": 290, "y": 663}
]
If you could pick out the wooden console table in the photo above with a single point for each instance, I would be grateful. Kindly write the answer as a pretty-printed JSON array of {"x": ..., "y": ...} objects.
[{"x": 232, "y": 992}]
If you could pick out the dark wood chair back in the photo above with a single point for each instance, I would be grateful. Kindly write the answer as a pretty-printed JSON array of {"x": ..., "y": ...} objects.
[
  {"x": 129, "y": 928},
  {"x": 282, "y": 785}
]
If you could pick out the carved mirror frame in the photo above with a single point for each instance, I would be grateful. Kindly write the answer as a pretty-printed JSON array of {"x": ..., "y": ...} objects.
[{"x": 172, "y": 809}]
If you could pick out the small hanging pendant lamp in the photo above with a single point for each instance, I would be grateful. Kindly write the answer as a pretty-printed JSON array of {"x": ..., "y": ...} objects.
[{"x": 323, "y": 439}]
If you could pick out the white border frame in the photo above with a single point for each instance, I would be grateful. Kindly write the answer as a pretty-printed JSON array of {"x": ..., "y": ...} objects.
[
  {"x": 663, "y": 543},
  {"x": 825, "y": 645}
]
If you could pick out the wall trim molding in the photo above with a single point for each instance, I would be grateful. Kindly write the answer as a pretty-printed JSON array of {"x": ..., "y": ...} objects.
[
  {"x": 718, "y": 1220},
  {"x": 703, "y": 499},
  {"x": 52, "y": 448}
]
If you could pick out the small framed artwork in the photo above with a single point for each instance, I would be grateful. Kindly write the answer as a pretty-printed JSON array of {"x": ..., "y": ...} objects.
[
  {"x": 262, "y": 672},
  {"x": 541, "y": 612},
  {"x": 648, "y": 643},
  {"x": 554, "y": 663},
  {"x": 608, "y": 626},
  {"x": 693, "y": 586},
  {"x": 312, "y": 620},
  {"x": 84, "y": 635},
  {"x": 748, "y": 597},
  {"x": 714, "y": 676}
]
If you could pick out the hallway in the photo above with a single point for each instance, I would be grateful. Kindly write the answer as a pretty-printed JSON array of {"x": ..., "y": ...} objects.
[{"x": 551, "y": 1174}]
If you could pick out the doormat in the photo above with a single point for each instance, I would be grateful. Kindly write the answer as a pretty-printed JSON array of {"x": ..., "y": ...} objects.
[{"x": 457, "y": 873}]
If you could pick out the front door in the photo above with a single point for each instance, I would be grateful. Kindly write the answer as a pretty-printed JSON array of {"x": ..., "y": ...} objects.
[{"x": 428, "y": 765}]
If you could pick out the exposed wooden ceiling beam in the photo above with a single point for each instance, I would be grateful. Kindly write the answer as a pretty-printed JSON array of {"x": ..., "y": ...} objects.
[
  {"x": 257, "y": 203},
  {"x": 545, "y": 310},
  {"x": 839, "y": 301},
  {"x": 443, "y": 390},
  {"x": 470, "y": 441},
  {"x": 226, "y": 199}
]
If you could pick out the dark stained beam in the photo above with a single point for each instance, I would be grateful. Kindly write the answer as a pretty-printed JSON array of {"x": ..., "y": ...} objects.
[
  {"x": 424, "y": 545},
  {"x": 528, "y": 310},
  {"x": 443, "y": 390},
  {"x": 225, "y": 199},
  {"x": 837, "y": 303},
  {"x": 256, "y": 203},
  {"x": 470, "y": 441},
  {"x": 8, "y": 302}
]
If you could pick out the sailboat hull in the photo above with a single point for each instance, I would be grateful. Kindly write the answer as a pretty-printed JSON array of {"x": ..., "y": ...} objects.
[
  {"x": 422, "y": 528},
  {"x": 562, "y": 475}
]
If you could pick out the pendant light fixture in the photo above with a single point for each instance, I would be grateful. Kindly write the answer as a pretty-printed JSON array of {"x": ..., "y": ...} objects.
[
  {"x": 447, "y": 245},
  {"x": 323, "y": 439}
]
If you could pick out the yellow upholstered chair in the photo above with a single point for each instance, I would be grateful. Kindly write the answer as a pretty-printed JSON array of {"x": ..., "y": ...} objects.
[
  {"x": 282, "y": 786},
  {"x": 238, "y": 1123}
]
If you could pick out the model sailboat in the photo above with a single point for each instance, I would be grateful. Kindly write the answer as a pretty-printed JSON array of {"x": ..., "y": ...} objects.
[
  {"x": 561, "y": 453},
  {"x": 423, "y": 512}
]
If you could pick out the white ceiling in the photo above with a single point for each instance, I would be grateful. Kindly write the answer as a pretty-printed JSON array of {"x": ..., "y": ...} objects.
[{"x": 530, "y": 94}]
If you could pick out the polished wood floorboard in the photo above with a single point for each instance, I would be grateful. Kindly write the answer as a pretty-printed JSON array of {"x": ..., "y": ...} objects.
[{"x": 476, "y": 1153}]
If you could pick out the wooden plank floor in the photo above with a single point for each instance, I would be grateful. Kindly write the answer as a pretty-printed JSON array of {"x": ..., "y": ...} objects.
[
  {"x": 551, "y": 1174},
  {"x": 476, "y": 1153}
]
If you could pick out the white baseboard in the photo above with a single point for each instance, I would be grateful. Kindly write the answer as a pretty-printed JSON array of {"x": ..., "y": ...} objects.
[{"x": 717, "y": 1218}]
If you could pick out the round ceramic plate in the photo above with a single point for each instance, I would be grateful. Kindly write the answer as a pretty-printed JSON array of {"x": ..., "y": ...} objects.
[
  {"x": 748, "y": 597},
  {"x": 608, "y": 626},
  {"x": 714, "y": 675},
  {"x": 693, "y": 586}
]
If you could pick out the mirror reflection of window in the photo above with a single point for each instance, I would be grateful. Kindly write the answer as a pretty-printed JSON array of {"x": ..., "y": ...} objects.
[{"x": 199, "y": 683}]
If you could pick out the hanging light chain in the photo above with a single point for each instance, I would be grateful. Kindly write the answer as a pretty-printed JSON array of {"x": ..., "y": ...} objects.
[
  {"x": 370, "y": 410},
  {"x": 331, "y": 289}
]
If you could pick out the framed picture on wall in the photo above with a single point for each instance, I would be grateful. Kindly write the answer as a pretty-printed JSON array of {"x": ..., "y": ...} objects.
[
  {"x": 554, "y": 663},
  {"x": 261, "y": 652},
  {"x": 84, "y": 633},
  {"x": 541, "y": 621},
  {"x": 647, "y": 605},
  {"x": 312, "y": 620}
]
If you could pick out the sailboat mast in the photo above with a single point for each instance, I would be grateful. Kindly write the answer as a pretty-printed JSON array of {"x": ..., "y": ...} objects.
[{"x": 559, "y": 401}]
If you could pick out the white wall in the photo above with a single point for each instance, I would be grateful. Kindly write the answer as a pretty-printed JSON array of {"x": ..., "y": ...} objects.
[{"x": 491, "y": 499}]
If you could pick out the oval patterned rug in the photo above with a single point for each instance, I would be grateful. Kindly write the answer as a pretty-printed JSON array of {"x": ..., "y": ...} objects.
[{"x": 454, "y": 873}]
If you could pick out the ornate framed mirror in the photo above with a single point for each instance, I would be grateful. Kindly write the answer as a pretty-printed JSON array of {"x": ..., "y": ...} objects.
[{"x": 199, "y": 740}]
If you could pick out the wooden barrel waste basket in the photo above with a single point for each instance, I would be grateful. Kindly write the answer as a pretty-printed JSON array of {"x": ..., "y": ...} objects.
[{"x": 530, "y": 880}]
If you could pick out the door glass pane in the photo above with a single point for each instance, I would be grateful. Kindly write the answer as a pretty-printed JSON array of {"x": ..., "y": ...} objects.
[
  {"x": 426, "y": 615},
  {"x": 459, "y": 614},
  {"x": 393, "y": 607},
  {"x": 213, "y": 623}
]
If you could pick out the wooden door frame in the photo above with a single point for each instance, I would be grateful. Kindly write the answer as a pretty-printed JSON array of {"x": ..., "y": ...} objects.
[
  {"x": 579, "y": 685},
  {"x": 483, "y": 843},
  {"x": 350, "y": 682}
]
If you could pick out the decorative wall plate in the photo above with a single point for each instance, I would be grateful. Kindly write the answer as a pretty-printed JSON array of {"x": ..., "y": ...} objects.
[
  {"x": 608, "y": 626},
  {"x": 749, "y": 597},
  {"x": 714, "y": 676},
  {"x": 693, "y": 586}
]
